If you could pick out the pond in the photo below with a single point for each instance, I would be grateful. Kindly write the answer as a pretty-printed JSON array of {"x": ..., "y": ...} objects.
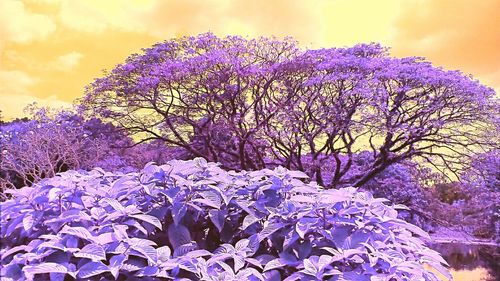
[{"x": 471, "y": 262}]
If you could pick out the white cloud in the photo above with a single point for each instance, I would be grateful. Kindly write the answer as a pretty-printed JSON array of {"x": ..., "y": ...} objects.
[
  {"x": 15, "y": 94},
  {"x": 64, "y": 62},
  {"x": 21, "y": 26},
  {"x": 98, "y": 15},
  {"x": 14, "y": 82},
  {"x": 67, "y": 62},
  {"x": 12, "y": 106}
]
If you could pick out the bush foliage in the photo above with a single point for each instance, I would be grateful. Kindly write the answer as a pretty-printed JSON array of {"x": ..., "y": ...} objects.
[{"x": 192, "y": 220}]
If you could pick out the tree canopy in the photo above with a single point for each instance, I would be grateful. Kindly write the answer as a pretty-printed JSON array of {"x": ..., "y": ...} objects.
[{"x": 256, "y": 103}]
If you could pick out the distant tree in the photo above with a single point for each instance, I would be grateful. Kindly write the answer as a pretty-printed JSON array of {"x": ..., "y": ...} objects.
[
  {"x": 263, "y": 102},
  {"x": 53, "y": 142},
  {"x": 483, "y": 178},
  {"x": 484, "y": 171},
  {"x": 38, "y": 149}
]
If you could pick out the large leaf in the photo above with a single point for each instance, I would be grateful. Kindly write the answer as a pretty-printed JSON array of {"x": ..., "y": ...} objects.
[
  {"x": 115, "y": 264},
  {"x": 163, "y": 253},
  {"x": 28, "y": 221},
  {"x": 137, "y": 225},
  {"x": 185, "y": 249},
  {"x": 92, "y": 269},
  {"x": 412, "y": 228},
  {"x": 273, "y": 264},
  {"x": 149, "y": 219},
  {"x": 92, "y": 251},
  {"x": 178, "y": 235},
  {"x": 117, "y": 261},
  {"x": 218, "y": 218},
  {"x": 47, "y": 267},
  {"x": 248, "y": 220},
  {"x": 105, "y": 238},
  {"x": 144, "y": 247},
  {"x": 269, "y": 229},
  {"x": 120, "y": 232},
  {"x": 303, "y": 226},
  {"x": 210, "y": 198},
  {"x": 147, "y": 271},
  {"x": 115, "y": 204},
  {"x": 77, "y": 231},
  {"x": 178, "y": 211}
]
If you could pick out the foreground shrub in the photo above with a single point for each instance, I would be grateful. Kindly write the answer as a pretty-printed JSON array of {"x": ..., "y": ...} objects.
[{"x": 191, "y": 220}]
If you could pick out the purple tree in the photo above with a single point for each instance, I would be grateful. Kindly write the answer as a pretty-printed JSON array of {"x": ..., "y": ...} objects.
[{"x": 263, "y": 102}]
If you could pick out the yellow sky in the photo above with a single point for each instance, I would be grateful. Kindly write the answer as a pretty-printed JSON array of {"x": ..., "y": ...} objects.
[{"x": 51, "y": 49}]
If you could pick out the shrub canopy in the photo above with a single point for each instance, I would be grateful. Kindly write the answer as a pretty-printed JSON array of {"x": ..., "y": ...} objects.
[{"x": 191, "y": 220}]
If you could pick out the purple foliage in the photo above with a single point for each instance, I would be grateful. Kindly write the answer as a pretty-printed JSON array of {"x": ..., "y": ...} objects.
[
  {"x": 191, "y": 220},
  {"x": 256, "y": 103},
  {"x": 483, "y": 177},
  {"x": 56, "y": 142},
  {"x": 484, "y": 171}
]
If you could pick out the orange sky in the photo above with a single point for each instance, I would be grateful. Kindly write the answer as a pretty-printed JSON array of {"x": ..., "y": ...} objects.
[{"x": 51, "y": 49}]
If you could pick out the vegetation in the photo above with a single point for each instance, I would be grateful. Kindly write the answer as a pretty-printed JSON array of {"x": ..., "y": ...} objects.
[
  {"x": 298, "y": 143},
  {"x": 194, "y": 221},
  {"x": 251, "y": 104}
]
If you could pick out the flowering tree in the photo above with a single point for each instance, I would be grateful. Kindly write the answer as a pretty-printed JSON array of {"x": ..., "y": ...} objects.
[{"x": 263, "y": 102}]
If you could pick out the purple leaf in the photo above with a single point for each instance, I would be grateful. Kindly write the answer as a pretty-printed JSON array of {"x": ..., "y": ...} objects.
[
  {"x": 92, "y": 251},
  {"x": 218, "y": 218},
  {"x": 149, "y": 219},
  {"x": 273, "y": 264},
  {"x": 248, "y": 220},
  {"x": 117, "y": 261},
  {"x": 92, "y": 269},
  {"x": 163, "y": 253},
  {"x": 185, "y": 249},
  {"x": 178, "y": 235},
  {"x": 44, "y": 268},
  {"x": 115, "y": 204},
  {"x": 178, "y": 211},
  {"x": 28, "y": 222},
  {"x": 144, "y": 247},
  {"x": 77, "y": 231},
  {"x": 269, "y": 229}
]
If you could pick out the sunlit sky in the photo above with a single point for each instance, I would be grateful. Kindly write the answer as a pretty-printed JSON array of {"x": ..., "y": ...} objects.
[{"x": 51, "y": 49}]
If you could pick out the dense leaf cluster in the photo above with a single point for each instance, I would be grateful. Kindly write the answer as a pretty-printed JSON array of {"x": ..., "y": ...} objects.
[{"x": 191, "y": 220}]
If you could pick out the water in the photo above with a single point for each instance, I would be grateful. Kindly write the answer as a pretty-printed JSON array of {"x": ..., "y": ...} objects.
[{"x": 471, "y": 262}]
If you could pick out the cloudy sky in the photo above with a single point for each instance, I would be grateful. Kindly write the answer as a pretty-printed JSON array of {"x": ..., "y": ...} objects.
[{"x": 51, "y": 49}]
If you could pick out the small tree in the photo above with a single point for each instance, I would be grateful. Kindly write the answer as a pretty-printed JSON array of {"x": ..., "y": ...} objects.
[
  {"x": 53, "y": 142},
  {"x": 36, "y": 149}
]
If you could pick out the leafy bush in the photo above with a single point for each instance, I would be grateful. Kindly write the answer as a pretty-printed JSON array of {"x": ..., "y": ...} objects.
[{"x": 192, "y": 220}]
